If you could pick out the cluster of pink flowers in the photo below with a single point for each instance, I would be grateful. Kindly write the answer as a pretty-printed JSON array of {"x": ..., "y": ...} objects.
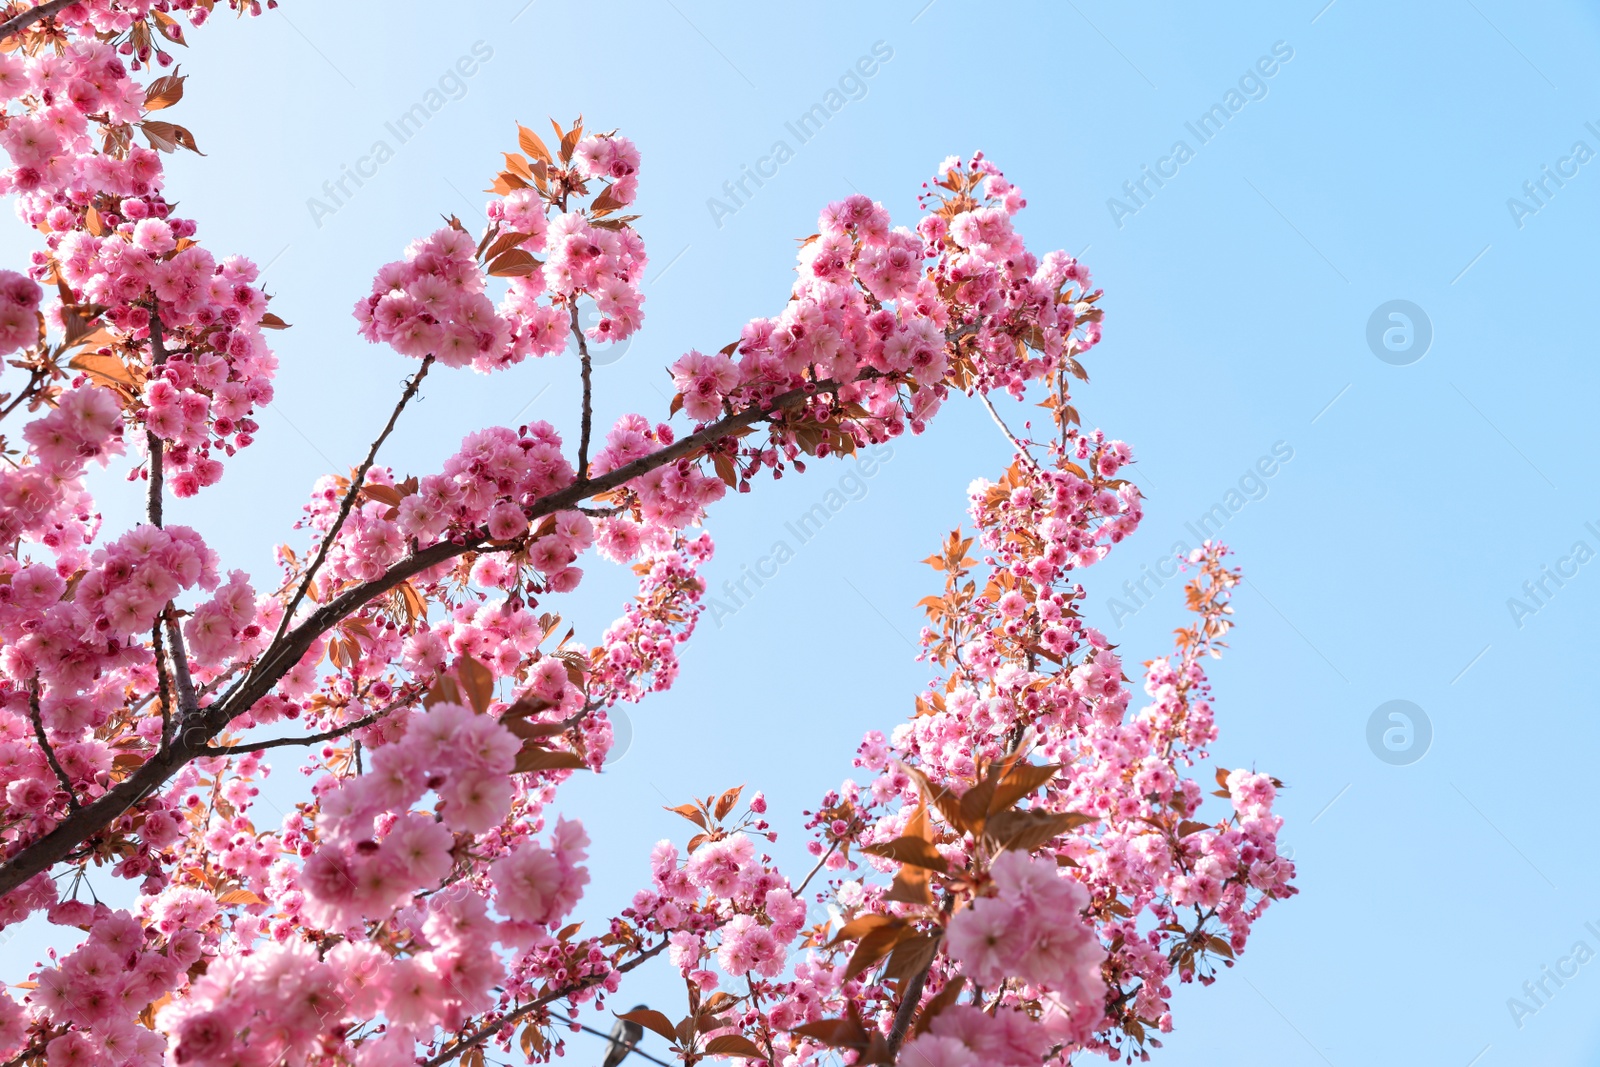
[
  {"x": 433, "y": 302},
  {"x": 541, "y": 885},
  {"x": 116, "y": 18},
  {"x": 1029, "y": 928},
  {"x": 121, "y": 962},
  {"x": 1089, "y": 928},
  {"x": 462, "y": 758},
  {"x": 19, "y": 310},
  {"x": 43, "y": 500},
  {"x": 113, "y": 241}
]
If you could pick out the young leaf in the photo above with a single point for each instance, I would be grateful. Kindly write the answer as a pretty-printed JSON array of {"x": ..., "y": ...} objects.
[
  {"x": 532, "y": 758},
  {"x": 164, "y": 92},
  {"x": 513, "y": 263},
  {"x": 911, "y": 885},
  {"x": 1023, "y": 779},
  {"x": 692, "y": 813},
  {"x": 1026, "y": 830},
  {"x": 860, "y": 926},
  {"x": 876, "y": 945},
  {"x": 911, "y": 955},
  {"x": 651, "y": 1020},
  {"x": 911, "y": 850},
  {"x": 444, "y": 690},
  {"x": 529, "y": 142},
  {"x": 734, "y": 1045},
  {"x": 728, "y": 799},
  {"x": 477, "y": 681}
]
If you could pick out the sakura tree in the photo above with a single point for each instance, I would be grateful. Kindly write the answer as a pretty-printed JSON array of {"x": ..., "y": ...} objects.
[{"x": 1020, "y": 877}]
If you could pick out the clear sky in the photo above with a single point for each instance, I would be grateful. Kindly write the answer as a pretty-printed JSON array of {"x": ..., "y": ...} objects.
[{"x": 1368, "y": 154}]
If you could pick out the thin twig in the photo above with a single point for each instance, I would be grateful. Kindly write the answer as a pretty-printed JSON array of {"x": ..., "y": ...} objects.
[
  {"x": 36, "y": 377},
  {"x": 998, "y": 421},
  {"x": 454, "y": 1048},
  {"x": 633, "y": 1049},
  {"x": 350, "y": 498},
  {"x": 311, "y": 739},
  {"x": 44, "y": 743},
  {"x": 588, "y": 409},
  {"x": 831, "y": 850}
]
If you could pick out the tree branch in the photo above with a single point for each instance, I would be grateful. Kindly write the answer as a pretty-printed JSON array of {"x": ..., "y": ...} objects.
[
  {"x": 311, "y": 739},
  {"x": 44, "y": 743},
  {"x": 192, "y": 740},
  {"x": 153, "y": 443},
  {"x": 998, "y": 421},
  {"x": 588, "y": 409},
  {"x": 162, "y": 692},
  {"x": 908, "y": 1008},
  {"x": 454, "y": 1048},
  {"x": 21, "y": 22},
  {"x": 188, "y": 703},
  {"x": 36, "y": 377},
  {"x": 350, "y": 497}
]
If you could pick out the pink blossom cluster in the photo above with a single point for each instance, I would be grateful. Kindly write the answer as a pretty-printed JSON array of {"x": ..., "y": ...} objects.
[
  {"x": 638, "y": 652},
  {"x": 1022, "y": 665},
  {"x": 113, "y": 241},
  {"x": 19, "y": 310},
  {"x": 462, "y": 758},
  {"x": 86, "y": 992},
  {"x": 43, "y": 500},
  {"x": 965, "y": 1036},
  {"x": 1029, "y": 929},
  {"x": 433, "y": 302},
  {"x": 115, "y": 18}
]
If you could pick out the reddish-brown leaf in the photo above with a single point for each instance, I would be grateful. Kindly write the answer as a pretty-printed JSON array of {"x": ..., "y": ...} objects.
[
  {"x": 533, "y": 758},
  {"x": 911, "y": 850},
  {"x": 692, "y": 813},
  {"x": 165, "y": 91},
  {"x": 1024, "y": 831},
  {"x": 530, "y": 143},
  {"x": 1023, "y": 779},
  {"x": 728, "y": 799},
  {"x": 911, "y": 956},
  {"x": 734, "y": 1045},
  {"x": 835, "y": 1033},
  {"x": 477, "y": 681},
  {"x": 443, "y": 690},
  {"x": 652, "y": 1020},
  {"x": 876, "y": 945},
  {"x": 513, "y": 263}
]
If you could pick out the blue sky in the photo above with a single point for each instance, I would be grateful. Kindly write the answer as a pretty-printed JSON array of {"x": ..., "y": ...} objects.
[{"x": 1375, "y": 163}]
